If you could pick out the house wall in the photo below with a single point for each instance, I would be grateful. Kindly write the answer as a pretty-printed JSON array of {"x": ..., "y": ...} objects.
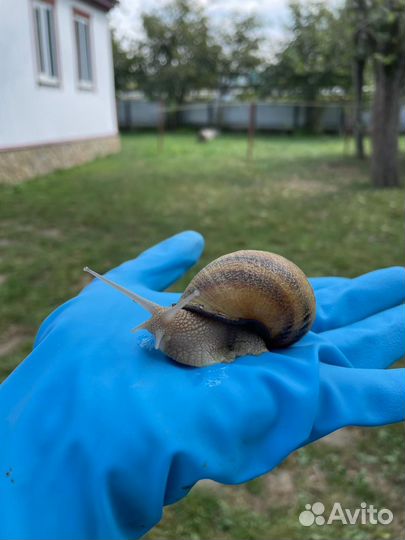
[{"x": 33, "y": 115}]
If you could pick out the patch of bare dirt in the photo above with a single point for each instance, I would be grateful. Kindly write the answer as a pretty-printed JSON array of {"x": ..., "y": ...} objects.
[
  {"x": 343, "y": 438},
  {"x": 276, "y": 489},
  {"x": 5, "y": 242},
  {"x": 299, "y": 186},
  {"x": 50, "y": 233}
]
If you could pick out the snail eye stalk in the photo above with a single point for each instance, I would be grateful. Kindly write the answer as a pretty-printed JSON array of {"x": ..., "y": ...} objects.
[{"x": 146, "y": 304}]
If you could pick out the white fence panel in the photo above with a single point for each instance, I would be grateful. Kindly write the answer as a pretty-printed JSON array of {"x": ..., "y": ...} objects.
[{"x": 134, "y": 114}]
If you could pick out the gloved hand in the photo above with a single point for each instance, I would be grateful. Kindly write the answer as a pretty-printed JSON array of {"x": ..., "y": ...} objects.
[{"x": 98, "y": 433}]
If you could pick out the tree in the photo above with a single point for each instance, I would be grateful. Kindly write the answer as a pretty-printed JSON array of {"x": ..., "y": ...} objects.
[
  {"x": 315, "y": 60},
  {"x": 123, "y": 68},
  {"x": 240, "y": 54},
  {"x": 357, "y": 9},
  {"x": 178, "y": 55},
  {"x": 379, "y": 34},
  {"x": 181, "y": 54},
  {"x": 387, "y": 38}
]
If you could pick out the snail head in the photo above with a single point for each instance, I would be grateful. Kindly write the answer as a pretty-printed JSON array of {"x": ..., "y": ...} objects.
[{"x": 162, "y": 317}]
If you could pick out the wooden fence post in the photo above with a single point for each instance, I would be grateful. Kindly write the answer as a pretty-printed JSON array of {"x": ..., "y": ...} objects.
[
  {"x": 251, "y": 131},
  {"x": 161, "y": 125}
]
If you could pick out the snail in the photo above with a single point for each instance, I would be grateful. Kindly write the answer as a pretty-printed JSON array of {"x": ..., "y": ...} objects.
[{"x": 246, "y": 302}]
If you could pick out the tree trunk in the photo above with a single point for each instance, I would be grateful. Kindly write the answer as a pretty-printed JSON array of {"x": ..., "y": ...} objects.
[
  {"x": 361, "y": 52},
  {"x": 384, "y": 160},
  {"x": 219, "y": 121},
  {"x": 312, "y": 118},
  {"x": 358, "y": 76}
]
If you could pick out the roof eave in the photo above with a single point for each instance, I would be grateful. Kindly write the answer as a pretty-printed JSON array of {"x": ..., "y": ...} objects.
[{"x": 105, "y": 5}]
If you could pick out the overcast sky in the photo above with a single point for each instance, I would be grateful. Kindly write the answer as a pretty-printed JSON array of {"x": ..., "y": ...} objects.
[{"x": 273, "y": 14}]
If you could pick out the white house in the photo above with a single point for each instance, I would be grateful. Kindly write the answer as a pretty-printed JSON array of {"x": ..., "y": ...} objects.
[{"x": 57, "y": 100}]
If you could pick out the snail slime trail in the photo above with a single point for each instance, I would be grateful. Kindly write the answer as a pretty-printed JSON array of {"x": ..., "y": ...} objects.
[{"x": 245, "y": 302}]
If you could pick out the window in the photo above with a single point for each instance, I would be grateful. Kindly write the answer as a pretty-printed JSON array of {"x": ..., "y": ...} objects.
[
  {"x": 83, "y": 49},
  {"x": 46, "y": 42}
]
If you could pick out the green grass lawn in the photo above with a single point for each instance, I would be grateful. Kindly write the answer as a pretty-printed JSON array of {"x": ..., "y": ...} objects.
[{"x": 304, "y": 198}]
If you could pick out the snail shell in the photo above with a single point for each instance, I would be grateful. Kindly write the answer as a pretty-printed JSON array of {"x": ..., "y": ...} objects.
[
  {"x": 262, "y": 291},
  {"x": 242, "y": 303}
]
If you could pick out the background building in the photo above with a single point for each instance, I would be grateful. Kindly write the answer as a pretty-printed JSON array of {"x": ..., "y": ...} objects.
[{"x": 57, "y": 100}]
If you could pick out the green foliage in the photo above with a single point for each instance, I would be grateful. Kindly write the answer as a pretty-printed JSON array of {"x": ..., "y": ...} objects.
[
  {"x": 123, "y": 68},
  {"x": 379, "y": 35},
  {"x": 383, "y": 24},
  {"x": 315, "y": 59},
  {"x": 386, "y": 29},
  {"x": 240, "y": 56},
  {"x": 177, "y": 55},
  {"x": 181, "y": 54}
]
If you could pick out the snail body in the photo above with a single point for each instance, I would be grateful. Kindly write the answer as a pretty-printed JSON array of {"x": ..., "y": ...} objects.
[{"x": 246, "y": 302}]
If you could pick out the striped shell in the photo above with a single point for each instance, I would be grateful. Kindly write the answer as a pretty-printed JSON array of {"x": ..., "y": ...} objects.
[{"x": 265, "y": 292}]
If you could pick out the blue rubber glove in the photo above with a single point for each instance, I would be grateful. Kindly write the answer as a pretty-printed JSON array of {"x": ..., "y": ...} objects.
[{"x": 98, "y": 433}]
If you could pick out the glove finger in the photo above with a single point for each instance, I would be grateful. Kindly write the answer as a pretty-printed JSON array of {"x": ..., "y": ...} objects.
[
  {"x": 161, "y": 265},
  {"x": 359, "y": 298},
  {"x": 358, "y": 397},
  {"x": 375, "y": 342},
  {"x": 322, "y": 282}
]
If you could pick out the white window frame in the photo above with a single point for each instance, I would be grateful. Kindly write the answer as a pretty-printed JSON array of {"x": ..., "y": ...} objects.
[
  {"x": 84, "y": 52},
  {"x": 46, "y": 42}
]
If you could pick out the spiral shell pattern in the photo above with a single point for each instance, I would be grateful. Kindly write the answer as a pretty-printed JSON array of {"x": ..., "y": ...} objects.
[{"x": 265, "y": 292}]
